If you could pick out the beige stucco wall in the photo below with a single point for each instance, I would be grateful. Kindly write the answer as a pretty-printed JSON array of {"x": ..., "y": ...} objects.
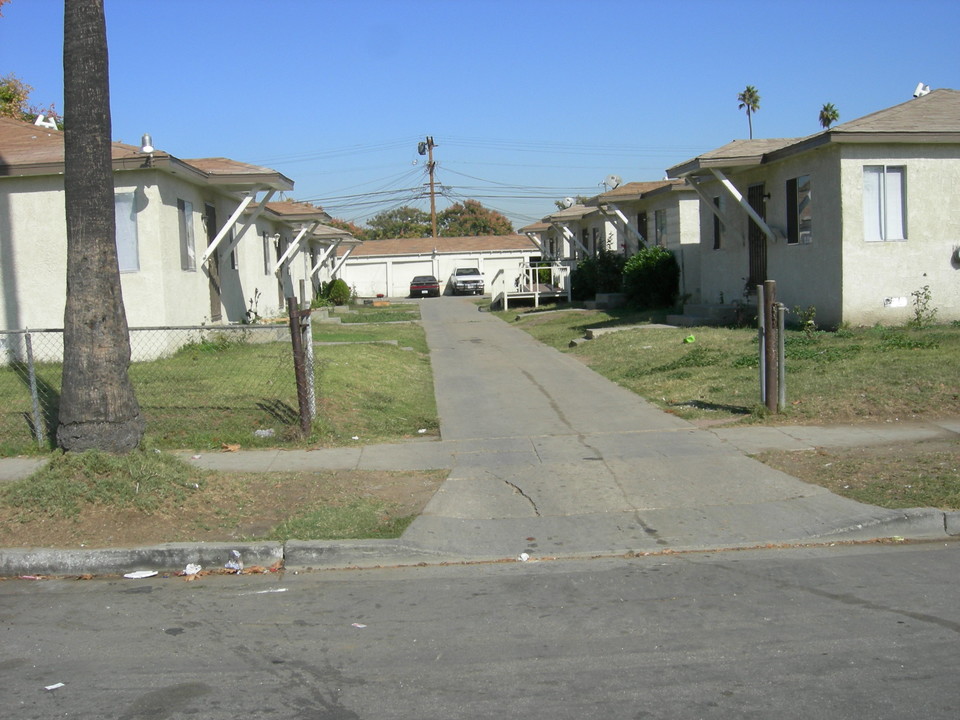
[
  {"x": 33, "y": 255},
  {"x": 33, "y": 258},
  {"x": 682, "y": 232},
  {"x": 806, "y": 274},
  {"x": 847, "y": 279},
  {"x": 880, "y": 276}
]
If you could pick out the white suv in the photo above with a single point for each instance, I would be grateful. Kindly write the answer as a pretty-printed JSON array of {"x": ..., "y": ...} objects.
[{"x": 467, "y": 281}]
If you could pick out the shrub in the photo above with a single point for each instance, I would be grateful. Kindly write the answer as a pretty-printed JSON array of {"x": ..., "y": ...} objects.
[
  {"x": 600, "y": 274},
  {"x": 651, "y": 278},
  {"x": 338, "y": 292}
]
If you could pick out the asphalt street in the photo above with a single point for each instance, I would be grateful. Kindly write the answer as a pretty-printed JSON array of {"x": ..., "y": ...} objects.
[{"x": 844, "y": 632}]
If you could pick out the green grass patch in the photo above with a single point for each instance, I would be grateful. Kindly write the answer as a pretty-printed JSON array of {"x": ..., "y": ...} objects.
[
  {"x": 138, "y": 480},
  {"x": 230, "y": 389},
  {"x": 360, "y": 518},
  {"x": 373, "y": 392},
  {"x": 405, "y": 334},
  {"x": 852, "y": 375},
  {"x": 382, "y": 314}
]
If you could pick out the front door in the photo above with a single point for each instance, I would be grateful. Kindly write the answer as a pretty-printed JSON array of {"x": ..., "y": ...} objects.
[
  {"x": 213, "y": 266},
  {"x": 756, "y": 240}
]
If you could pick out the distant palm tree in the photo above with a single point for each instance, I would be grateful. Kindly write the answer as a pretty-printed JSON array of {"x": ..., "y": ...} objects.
[
  {"x": 749, "y": 99},
  {"x": 828, "y": 115}
]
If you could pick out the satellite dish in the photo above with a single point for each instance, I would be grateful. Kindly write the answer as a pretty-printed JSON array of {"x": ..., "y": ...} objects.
[
  {"x": 568, "y": 202},
  {"x": 921, "y": 90},
  {"x": 612, "y": 181}
]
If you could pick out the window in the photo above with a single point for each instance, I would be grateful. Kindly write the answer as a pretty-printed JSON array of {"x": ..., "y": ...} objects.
[
  {"x": 594, "y": 246},
  {"x": 660, "y": 224},
  {"x": 266, "y": 252},
  {"x": 884, "y": 203},
  {"x": 128, "y": 251},
  {"x": 799, "y": 227},
  {"x": 717, "y": 225},
  {"x": 234, "y": 262},
  {"x": 642, "y": 227},
  {"x": 188, "y": 255}
]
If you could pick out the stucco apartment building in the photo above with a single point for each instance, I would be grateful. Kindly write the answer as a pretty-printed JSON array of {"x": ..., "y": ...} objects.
[
  {"x": 851, "y": 221},
  {"x": 199, "y": 241}
]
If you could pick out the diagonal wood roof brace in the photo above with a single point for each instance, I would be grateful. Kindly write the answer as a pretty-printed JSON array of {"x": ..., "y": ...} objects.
[
  {"x": 342, "y": 260},
  {"x": 630, "y": 230},
  {"x": 535, "y": 239},
  {"x": 732, "y": 190},
  {"x": 228, "y": 225},
  {"x": 570, "y": 235},
  {"x": 295, "y": 246}
]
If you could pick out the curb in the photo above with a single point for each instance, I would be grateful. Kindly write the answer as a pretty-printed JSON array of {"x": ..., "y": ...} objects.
[
  {"x": 911, "y": 524},
  {"x": 114, "y": 561}
]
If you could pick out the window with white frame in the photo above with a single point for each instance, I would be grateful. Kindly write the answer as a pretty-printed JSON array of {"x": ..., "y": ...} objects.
[
  {"x": 188, "y": 254},
  {"x": 884, "y": 203},
  {"x": 128, "y": 250},
  {"x": 660, "y": 227},
  {"x": 799, "y": 216}
]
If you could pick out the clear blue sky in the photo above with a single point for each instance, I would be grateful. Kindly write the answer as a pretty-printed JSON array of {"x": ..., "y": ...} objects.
[{"x": 528, "y": 100}]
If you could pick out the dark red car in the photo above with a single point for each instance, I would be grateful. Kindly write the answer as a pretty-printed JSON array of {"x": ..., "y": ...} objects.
[{"x": 424, "y": 286}]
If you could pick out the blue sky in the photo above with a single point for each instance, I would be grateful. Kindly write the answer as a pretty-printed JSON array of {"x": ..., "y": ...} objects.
[{"x": 528, "y": 100}]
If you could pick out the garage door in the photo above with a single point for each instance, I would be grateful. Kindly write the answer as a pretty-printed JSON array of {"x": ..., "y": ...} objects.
[
  {"x": 404, "y": 272},
  {"x": 369, "y": 279}
]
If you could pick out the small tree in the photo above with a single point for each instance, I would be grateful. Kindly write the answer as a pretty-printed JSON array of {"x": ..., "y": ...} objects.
[
  {"x": 15, "y": 101},
  {"x": 470, "y": 218},
  {"x": 749, "y": 99},
  {"x": 828, "y": 115},
  {"x": 401, "y": 222},
  {"x": 360, "y": 233},
  {"x": 651, "y": 278}
]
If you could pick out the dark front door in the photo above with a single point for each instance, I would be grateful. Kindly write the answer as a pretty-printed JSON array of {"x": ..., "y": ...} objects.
[
  {"x": 756, "y": 240},
  {"x": 213, "y": 266}
]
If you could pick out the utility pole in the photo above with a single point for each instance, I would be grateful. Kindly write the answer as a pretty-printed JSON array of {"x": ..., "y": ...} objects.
[{"x": 426, "y": 148}]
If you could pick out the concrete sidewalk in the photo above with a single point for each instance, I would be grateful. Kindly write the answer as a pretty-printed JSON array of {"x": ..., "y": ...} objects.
[{"x": 550, "y": 459}]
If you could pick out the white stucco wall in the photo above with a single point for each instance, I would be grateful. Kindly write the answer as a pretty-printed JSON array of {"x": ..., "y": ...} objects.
[
  {"x": 847, "y": 279},
  {"x": 390, "y": 275},
  {"x": 33, "y": 252},
  {"x": 880, "y": 276}
]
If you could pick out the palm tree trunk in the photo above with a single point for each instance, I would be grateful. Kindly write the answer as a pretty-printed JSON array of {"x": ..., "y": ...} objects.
[{"x": 98, "y": 408}]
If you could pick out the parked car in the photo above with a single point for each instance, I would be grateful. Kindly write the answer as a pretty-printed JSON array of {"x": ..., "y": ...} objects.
[
  {"x": 467, "y": 281},
  {"x": 424, "y": 286}
]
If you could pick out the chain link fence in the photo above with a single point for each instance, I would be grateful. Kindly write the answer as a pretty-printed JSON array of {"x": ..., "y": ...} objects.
[{"x": 198, "y": 387}]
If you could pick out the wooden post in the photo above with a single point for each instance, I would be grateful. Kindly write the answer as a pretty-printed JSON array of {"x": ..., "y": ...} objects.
[
  {"x": 761, "y": 344},
  {"x": 299, "y": 364},
  {"x": 771, "y": 394}
]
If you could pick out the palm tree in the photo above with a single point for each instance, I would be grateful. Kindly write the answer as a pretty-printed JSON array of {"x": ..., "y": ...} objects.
[
  {"x": 98, "y": 408},
  {"x": 749, "y": 99},
  {"x": 828, "y": 115}
]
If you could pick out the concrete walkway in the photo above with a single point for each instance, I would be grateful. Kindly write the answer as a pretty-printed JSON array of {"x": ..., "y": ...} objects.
[{"x": 550, "y": 459}]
